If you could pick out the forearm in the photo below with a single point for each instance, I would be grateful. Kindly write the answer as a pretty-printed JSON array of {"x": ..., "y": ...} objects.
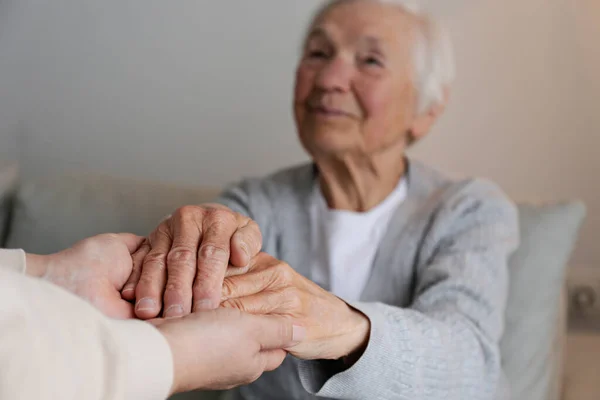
[
  {"x": 411, "y": 355},
  {"x": 58, "y": 346}
]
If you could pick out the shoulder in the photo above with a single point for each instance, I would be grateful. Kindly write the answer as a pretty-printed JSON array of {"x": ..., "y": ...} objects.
[
  {"x": 479, "y": 199},
  {"x": 284, "y": 182},
  {"x": 459, "y": 206},
  {"x": 457, "y": 197},
  {"x": 259, "y": 196}
]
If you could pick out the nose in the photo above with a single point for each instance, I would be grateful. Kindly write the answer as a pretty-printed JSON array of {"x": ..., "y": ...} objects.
[{"x": 334, "y": 75}]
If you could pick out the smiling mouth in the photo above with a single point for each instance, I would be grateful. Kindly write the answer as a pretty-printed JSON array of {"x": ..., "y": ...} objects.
[{"x": 327, "y": 111}]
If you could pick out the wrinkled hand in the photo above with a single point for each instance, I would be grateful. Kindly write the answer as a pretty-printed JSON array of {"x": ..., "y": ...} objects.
[
  {"x": 334, "y": 329},
  {"x": 220, "y": 349},
  {"x": 182, "y": 266},
  {"x": 94, "y": 269}
]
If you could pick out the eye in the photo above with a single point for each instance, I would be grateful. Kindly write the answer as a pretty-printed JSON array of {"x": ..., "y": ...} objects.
[
  {"x": 372, "y": 61},
  {"x": 317, "y": 54}
]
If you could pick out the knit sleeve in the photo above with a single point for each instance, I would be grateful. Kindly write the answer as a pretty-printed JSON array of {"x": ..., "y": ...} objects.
[{"x": 446, "y": 344}]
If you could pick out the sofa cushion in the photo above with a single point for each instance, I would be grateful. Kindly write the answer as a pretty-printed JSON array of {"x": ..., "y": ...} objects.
[
  {"x": 530, "y": 356},
  {"x": 8, "y": 185},
  {"x": 53, "y": 213}
]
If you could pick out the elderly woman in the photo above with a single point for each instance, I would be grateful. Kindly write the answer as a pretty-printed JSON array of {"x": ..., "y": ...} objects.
[{"x": 398, "y": 274}]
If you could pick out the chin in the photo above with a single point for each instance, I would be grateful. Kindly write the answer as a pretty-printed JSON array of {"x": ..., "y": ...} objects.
[
  {"x": 328, "y": 138},
  {"x": 328, "y": 144}
]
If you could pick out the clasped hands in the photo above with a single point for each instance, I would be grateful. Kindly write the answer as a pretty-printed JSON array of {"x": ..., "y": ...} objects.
[
  {"x": 228, "y": 311},
  {"x": 208, "y": 257}
]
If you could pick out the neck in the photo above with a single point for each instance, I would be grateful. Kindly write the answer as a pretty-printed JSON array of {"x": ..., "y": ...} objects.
[{"x": 360, "y": 183}]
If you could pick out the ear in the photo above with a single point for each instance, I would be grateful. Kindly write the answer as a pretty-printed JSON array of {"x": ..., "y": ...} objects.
[{"x": 423, "y": 122}]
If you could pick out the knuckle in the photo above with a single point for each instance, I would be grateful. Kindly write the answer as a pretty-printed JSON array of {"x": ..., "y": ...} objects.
[
  {"x": 256, "y": 230},
  {"x": 252, "y": 238},
  {"x": 176, "y": 286},
  {"x": 228, "y": 288},
  {"x": 284, "y": 272},
  {"x": 187, "y": 210},
  {"x": 182, "y": 256},
  {"x": 221, "y": 215},
  {"x": 155, "y": 261},
  {"x": 213, "y": 252},
  {"x": 162, "y": 229},
  {"x": 147, "y": 283},
  {"x": 160, "y": 234}
]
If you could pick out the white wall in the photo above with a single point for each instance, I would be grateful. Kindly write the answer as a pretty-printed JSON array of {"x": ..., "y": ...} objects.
[{"x": 199, "y": 92}]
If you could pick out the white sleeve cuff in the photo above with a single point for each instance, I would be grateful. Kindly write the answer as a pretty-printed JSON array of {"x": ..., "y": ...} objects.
[
  {"x": 13, "y": 260},
  {"x": 148, "y": 357}
]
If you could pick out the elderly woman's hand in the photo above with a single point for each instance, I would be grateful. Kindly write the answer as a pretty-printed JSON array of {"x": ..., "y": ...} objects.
[
  {"x": 270, "y": 286},
  {"x": 181, "y": 266}
]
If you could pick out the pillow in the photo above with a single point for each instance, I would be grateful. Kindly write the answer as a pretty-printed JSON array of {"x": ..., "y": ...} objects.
[
  {"x": 537, "y": 274},
  {"x": 53, "y": 213},
  {"x": 8, "y": 184}
]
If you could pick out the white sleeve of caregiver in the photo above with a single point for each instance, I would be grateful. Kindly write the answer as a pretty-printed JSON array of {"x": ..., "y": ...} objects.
[{"x": 54, "y": 345}]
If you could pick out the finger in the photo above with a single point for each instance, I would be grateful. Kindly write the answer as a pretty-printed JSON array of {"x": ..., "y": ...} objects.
[
  {"x": 235, "y": 271},
  {"x": 181, "y": 264},
  {"x": 213, "y": 258},
  {"x": 122, "y": 310},
  {"x": 279, "y": 332},
  {"x": 246, "y": 242},
  {"x": 246, "y": 285},
  {"x": 133, "y": 242},
  {"x": 260, "y": 274},
  {"x": 156, "y": 321},
  {"x": 259, "y": 262},
  {"x": 262, "y": 261},
  {"x": 272, "y": 359},
  {"x": 263, "y": 303},
  {"x": 128, "y": 292},
  {"x": 149, "y": 290}
]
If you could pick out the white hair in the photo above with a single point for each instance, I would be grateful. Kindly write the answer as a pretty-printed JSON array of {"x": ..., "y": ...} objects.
[{"x": 433, "y": 53}]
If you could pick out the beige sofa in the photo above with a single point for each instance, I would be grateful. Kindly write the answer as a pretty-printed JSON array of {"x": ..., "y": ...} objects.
[{"x": 44, "y": 215}]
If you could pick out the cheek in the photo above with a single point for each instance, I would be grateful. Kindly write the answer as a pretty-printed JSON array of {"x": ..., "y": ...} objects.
[
  {"x": 304, "y": 84},
  {"x": 377, "y": 104},
  {"x": 385, "y": 107}
]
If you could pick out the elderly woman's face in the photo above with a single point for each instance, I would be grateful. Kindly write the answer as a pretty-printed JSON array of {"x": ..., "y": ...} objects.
[{"x": 354, "y": 90}]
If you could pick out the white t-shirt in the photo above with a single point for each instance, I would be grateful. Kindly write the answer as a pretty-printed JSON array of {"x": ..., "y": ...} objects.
[{"x": 344, "y": 243}]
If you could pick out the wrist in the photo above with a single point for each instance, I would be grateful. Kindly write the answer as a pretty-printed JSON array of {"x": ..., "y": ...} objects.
[
  {"x": 36, "y": 265},
  {"x": 176, "y": 383},
  {"x": 357, "y": 336},
  {"x": 181, "y": 378}
]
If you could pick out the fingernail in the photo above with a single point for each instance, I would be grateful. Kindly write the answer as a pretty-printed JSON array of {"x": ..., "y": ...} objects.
[
  {"x": 145, "y": 304},
  {"x": 174, "y": 311},
  {"x": 127, "y": 288},
  {"x": 298, "y": 333},
  {"x": 205, "y": 304}
]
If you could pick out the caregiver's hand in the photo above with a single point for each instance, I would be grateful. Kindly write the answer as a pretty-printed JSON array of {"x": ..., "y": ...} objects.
[
  {"x": 223, "y": 348},
  {"x": 94, "y": 269},
  {"x": 182, "y": 265},
  {"x": 333, "y": 329}
]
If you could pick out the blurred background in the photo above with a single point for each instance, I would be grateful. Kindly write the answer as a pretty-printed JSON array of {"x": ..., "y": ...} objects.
[{"x": 199, "y": 93}]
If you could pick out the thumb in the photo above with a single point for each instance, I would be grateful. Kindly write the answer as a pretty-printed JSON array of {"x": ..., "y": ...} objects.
[
  {"x": 133, "y": 242},
  {"x": 278, "y": 332}
]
